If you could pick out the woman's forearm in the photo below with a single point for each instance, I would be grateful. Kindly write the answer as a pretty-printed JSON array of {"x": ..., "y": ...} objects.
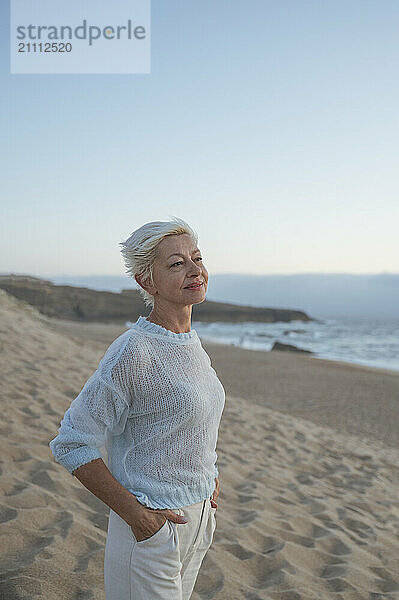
[{"x": 98, "y": 479}]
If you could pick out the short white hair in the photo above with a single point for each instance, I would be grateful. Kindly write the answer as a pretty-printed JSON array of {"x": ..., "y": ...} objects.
[{"x": 139, "y": 251}]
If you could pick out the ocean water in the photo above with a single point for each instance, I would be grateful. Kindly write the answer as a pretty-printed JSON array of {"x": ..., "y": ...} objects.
[{"x": 361, "y": 341}]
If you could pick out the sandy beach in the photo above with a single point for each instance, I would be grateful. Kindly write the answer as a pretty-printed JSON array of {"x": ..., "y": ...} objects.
[{"x": 308, "y": 460}]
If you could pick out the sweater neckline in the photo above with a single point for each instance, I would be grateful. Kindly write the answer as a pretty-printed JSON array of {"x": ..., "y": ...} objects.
[{"x": 159, "y": 331}]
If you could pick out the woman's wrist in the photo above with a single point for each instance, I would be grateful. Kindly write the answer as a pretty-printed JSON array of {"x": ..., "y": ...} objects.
[
  {"x": 98, "y": 479},
  {"x": 133, "y": 511},
  {"x": 128, "y": 507}
]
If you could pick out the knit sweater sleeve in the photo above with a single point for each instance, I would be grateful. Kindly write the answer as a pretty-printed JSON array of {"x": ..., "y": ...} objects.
[{"x": 100, "y": 409}]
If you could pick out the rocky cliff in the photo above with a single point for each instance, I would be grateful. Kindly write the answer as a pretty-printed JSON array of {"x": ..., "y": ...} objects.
[{"x": 84, "y": 304}]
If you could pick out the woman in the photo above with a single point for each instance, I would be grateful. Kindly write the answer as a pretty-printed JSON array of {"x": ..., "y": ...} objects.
[{"x": 155, "y": 402}]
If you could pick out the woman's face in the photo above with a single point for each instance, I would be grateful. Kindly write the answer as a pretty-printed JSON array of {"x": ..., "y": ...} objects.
[{"x": 177, "y": 266}]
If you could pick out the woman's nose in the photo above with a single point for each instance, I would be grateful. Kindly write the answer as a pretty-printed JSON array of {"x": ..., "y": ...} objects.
[{"x": 195, "y": 268}]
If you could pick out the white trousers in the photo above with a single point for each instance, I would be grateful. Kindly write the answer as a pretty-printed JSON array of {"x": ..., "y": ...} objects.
[{"x": 164, "y": 566}]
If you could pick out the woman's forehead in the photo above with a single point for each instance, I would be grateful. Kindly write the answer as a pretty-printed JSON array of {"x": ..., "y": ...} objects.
[{"x": 172, "y": 244}]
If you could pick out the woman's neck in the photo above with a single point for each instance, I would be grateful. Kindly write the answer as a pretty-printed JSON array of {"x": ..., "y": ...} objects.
[{"x": 179, "y": 323}]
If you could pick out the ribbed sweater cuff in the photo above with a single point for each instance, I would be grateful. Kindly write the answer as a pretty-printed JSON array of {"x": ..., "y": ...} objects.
[{"x": 78, "y": 457}]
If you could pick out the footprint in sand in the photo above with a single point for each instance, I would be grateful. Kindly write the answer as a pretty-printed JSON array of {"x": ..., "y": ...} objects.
[
  {"x": 245, "y": 516},
  {"x": 40, "y": 477},
  {"x": 356, "y": 526},
  {"x": 247, "y": 498},
  {"x": 334, "y": 546},
  {"x": 7, "y": 514},
  {"x": 267, "y": 572},
  {"x": 238, "y": 551},
  {"x": 332, "y": 571},
  {"x": 283, "y": 500},
  {"x": 246, "y": 488},
  {"x": 19, "y": 487},
  {"x": 210, "y": 580},
  {"x": 272, "y": 546},
  {"x": 239, "y": 458},
  {"x": 61, "y": 524},
  {"x": 82, "y": 560},
  {"x": 314, "y": 507},
  {"x": 385, "y": 583}
]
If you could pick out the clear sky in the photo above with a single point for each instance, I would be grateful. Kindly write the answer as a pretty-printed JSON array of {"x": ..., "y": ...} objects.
[{"x": 271, "y": 127}]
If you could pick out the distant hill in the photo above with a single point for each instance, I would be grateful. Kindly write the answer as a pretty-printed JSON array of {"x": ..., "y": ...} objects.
[
  {"x": 322, "y": 295},
  {"x": 84, "y": 304}
]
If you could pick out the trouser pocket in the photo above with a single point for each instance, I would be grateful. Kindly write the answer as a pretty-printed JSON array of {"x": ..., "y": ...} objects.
[
  {"x": 152, "y": 537},
  {"x": 200, "y": 527},
  {"x": 208, "y": 525}
]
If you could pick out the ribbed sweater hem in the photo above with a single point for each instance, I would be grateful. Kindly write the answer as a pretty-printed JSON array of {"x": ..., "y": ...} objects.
[{"x": 178, "y": 499}]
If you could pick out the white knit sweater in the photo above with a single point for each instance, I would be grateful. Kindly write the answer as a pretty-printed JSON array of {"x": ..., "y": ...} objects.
[{"x": 155, "y": 403}]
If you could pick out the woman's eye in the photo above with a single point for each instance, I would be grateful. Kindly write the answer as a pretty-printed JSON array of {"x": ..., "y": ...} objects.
[{"x": 180, "y": 262}]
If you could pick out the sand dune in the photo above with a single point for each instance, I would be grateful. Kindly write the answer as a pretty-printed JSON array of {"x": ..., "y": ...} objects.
[{"x": 305, "y": 512}]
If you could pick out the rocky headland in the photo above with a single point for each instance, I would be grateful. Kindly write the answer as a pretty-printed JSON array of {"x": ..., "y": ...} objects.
[{"x": 84, "y": 304}]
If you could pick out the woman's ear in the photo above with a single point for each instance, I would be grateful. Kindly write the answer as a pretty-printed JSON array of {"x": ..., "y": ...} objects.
[{"x": 148, "y": 287}]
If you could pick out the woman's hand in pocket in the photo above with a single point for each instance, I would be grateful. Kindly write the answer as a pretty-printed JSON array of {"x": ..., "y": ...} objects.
[{"x": 148, "y": 521}]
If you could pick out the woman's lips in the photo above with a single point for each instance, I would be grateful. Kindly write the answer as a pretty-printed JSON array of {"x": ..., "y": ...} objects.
[{"x": 195, "y": 287}]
